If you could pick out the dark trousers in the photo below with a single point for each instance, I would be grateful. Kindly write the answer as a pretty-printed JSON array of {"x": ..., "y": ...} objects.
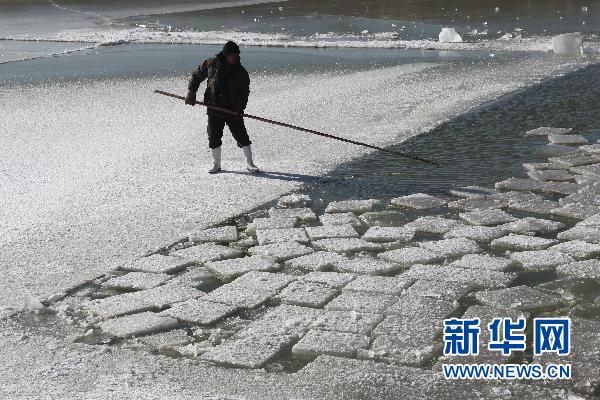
[{"x": 236, "y": 126}]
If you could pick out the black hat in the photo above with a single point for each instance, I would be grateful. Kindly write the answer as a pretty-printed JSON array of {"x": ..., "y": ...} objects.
[{"x": 231, "y": 48}]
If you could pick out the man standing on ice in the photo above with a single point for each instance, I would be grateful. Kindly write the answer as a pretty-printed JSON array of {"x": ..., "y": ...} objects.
[{"x": 228, "y": 86}]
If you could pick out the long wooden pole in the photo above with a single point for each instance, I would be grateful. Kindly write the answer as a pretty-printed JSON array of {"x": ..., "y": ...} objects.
[{"x": 298, "y": 128}]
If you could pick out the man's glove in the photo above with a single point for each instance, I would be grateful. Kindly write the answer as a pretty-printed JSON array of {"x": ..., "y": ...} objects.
[{"x": 190, "y": 99}]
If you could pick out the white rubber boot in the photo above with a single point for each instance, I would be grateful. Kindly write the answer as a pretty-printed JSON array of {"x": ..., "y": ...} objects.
[
  {"x": 216, "y": 154},
  {"x": 250, "y": 163}
]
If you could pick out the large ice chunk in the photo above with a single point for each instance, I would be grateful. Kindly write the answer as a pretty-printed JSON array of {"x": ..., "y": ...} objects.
[
  {"x": 477, "y": 233},
  {"x": 522, "y": 242},
  {"x": 340, "y": 219},
  {"x": 389, "y": 234},
  {"x": 522, "y": 298},
  {"x": 485, "y": 262},
  {"x": 449, "y": 35},
  {"x": 230, "y": 269},
  {"x": 306, "y": 294},
  {"x": 540, "y": 260},
  {"x": 138, "y": 324},
  {"x": 545, "y": 131},
  {"x": 419, "y": 201},
  {"x": 487, "y": 217},
  {"x": 317, "y": 342},
  {"x": 580, "y": 269},
  {"x": 379, "y": 284},
  {"x": 355, "y": 206},
  {"x": 319, "y": 261},
  {"x": 478, "y": 203},
  {"x": 383, "y": 218},
  {"x": 270, "y": 236},
  {"x": 559, "y": 175},
  {"x": 207, "y": 252},
  {"x": 347, "y": 321},
  {"x": 578, "y": 249},
  {"x": 331, "y": 232},
  {"x": 361, "y": 302},
  {"x": 350, "y": 245},
  {"x": 480, "y": 278},
  {"x": 590, "y": 234},
  {"x": 568, "y": 44},
  {"x": 431, "y": 224},
  {"x": 198, "y": 311},
  {"x": 567, "y": 139},
  {"x": 281, "y": 251},
  {"x": 367, "y": 266},
  {"x": 536, "y": 225},
  {"x": 410, "y": 256},
  {"x": 302, "y": 214},
  {"x": 270, "y": 223},
  {"x": 295, "y": 200},
  {"x": 332, "y": 279},
  {"x": 448, "y": 248}
]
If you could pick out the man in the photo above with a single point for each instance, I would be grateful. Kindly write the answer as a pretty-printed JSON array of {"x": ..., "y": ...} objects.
[{"x": 228, "y": 86}]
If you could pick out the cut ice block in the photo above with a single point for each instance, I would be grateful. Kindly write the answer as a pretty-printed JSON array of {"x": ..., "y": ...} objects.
[
  {"x": 302, "y": 214},
  {"x": 519, "y": 184},
  {"x": 544, "y": 166},
  {"x": 164, "y": 340},
  {"x": 270, "y": 223},
  {"x": 284, "y": 320},
  {"x": 138, "y": 324},
  {"x": 198, "y": 311},
  {"x": 194, "y": 277},
  {"x": 559, "y": 175},
  {"x": 591, "y": 148},
  {"x": 480, "y": 278},
  {"x": 477, "y": 233},
  {"x": 522, "y": 298},
  {"x": 568, "y": 44},
  {"x": 350, "y": 245},
  {"x": 379, "y": 284},
  {"x": 151, "y": 299},
  {"x": 319, "y": 261},
  {"x": 367, "y": 266},
  {"x": 419, "y": 201},
  {"x": 485, "y": 262},
  {"x": 451, "y": 247},
  {"x": 354, "y": 206},
  {"x": 239, "y": 297},
  {"x": 541, "y": 207},
  {"x": 439, "y": 290},
  {"x": 431, "y": 224},
  {"x": 578, "y": 249},
  {"x": 589, "y": 269},
  {"x": 481, "y": 203},
  {"x": 157, "y": 264},
  {"x": 317, "y": 342},
  {"x": 136, "y": 281},
  {"x": 536, "y": 225},
  {"x": 230, "y": 269},
  {"x": 294, "y": 200},
  {"x": 592, "y": 221},
  {"x": 331, "y": 232},
  {"x": 416, "y": 306},
  {"x": 281, "y": 251},
  {"x": 332, "y": 279},
  {"x": 306, "y": 294},
  {"x": 522, "y": 243},
  {"x": 592, "y": 170},
  {"x": 270, "y": 236},
  {"x": 389, "y": 234},
  {"x": 577, "y": 210},
  {"x": 223, "y": 234},
  {"x": 361, "y": 302},
  {"x": 203, "y": 253},
  {"x": 410, "y": 256},
  {"x": 590, "y": 234},
  {"x": 540, "y": 260},
  {"x": 487, "y": 217},
  {"x": 545, "y": 131},
  {"x": 556, "y": 150},
  {"x": 263, "y": 280},
  {"x": 576, "y": 160},
  {"x": 347, "y": 321},
  {"x": 393, "y": 350},
  {"x": 469, "y": 192},
  {"x": 340, "y": 219},
  {"x": 383, "y": 218},
  {"x": 250, "y": 352},
  {"x": 449, "y": 35},
  {"x": 567, "y": 139},
  {"x": 586, "y": 196}
]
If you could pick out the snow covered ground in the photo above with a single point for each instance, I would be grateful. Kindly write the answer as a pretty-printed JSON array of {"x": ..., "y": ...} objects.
[{"x": 94, "y": 173}]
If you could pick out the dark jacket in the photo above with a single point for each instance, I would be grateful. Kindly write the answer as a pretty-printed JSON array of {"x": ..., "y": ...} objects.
[{"x": 228, "y": 86}]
